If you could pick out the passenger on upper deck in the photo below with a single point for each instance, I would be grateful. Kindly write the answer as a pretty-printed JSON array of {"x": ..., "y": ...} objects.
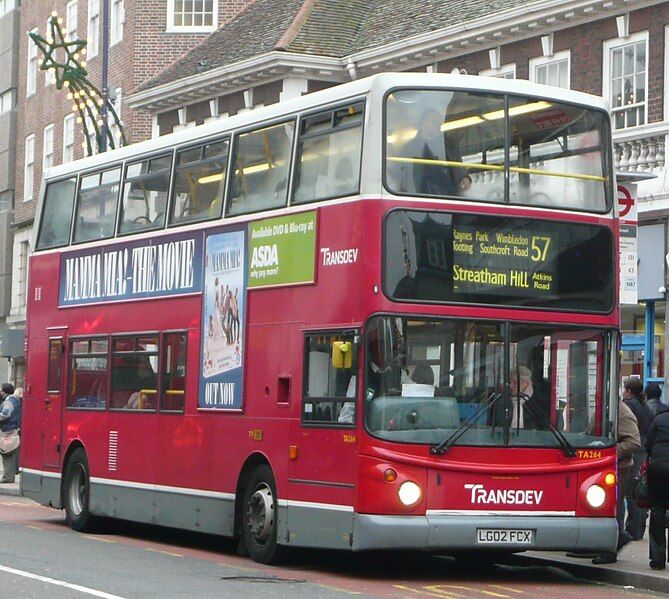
[{"x": 432, "y": 144}]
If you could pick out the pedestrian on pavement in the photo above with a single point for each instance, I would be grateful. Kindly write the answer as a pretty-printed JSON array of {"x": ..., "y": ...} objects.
[
  {"x": 635, "y": 398},
  {"x": 654, "y": 398},
  {"x": 10, "y": 425},
  {"x": 628, "y": 443},
  {"x": 658, "y": 487}
]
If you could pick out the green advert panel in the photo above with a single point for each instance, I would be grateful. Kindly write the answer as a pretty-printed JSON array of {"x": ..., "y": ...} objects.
[{"x": 282, "y": 250}]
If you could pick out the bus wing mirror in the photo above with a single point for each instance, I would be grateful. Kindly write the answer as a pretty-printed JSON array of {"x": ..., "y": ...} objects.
[{"x": 342, "y": 354}]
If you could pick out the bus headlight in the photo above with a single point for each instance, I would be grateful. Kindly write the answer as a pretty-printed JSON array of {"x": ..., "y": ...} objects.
[
  {"x": 409, "y": 492},
  {"x": 595, "y": 496}
]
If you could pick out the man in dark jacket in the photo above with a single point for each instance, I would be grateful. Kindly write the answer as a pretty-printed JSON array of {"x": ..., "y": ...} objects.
[
  {"x": 10, "y": 422},
  {"x": 654, "y": 399},
  {"x": 634, "y": 397}
]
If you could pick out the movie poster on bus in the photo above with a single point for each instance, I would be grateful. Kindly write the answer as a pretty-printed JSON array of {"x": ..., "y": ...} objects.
[{"x": 223, "y": 313}]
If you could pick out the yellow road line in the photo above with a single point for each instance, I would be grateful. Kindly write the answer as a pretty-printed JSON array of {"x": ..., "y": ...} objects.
[
  {"x": 95, "y": 538},
  {"x": 499, "y": 586},
  {"x": 163, "y": 551},
  {"x": 419, "y": 592}
]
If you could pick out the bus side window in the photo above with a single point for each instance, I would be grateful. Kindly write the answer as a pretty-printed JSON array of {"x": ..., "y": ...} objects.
[
  {"x": 261, "y": 167},
  {"x": 328, "y": 163},
  {"x": 96, "y": 205},
  {"x": 173, "y": 372},
  {"x": 57, "y": 214},
  {"x": 329, "y": 390}
]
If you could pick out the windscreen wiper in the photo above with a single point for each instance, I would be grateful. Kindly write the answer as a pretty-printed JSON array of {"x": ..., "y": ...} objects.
[
  {"x": 444, "y": 446},
  {"x": 541, "y": 418}
]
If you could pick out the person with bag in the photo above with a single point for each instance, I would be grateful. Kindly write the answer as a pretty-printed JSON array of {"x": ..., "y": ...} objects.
[
  {"x": 10, "y": 424},
  {"x": 628, "y": 443},
  {"x": 657, "y": 474}
]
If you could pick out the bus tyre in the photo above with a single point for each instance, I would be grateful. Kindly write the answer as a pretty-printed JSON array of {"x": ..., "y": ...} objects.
[
  {"x": 260, "y": 516},
  {"x": 76, "y": 493}
]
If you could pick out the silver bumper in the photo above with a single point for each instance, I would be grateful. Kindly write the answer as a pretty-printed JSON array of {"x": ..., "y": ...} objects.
[{"x": 435, "y": 533}]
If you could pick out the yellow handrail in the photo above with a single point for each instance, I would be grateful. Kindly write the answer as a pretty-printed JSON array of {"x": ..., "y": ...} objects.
[{"x": 495, "y": 167}]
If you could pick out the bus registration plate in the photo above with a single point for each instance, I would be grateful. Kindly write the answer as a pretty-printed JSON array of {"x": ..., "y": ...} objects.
[{"x": 505, "y": 536}]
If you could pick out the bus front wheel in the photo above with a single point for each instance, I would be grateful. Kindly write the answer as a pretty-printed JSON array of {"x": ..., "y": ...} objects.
[
  {"x": 260, "y": 516},
  {"x": 77, "y": 492}
]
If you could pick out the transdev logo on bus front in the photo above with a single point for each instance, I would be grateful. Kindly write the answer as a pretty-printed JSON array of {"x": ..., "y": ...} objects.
[{"x": 140, "y": 269}]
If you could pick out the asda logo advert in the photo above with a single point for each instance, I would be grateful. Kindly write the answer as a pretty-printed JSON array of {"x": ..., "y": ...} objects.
[
  {"x": 282, "y": 250},
  {"x": 481, "y": 495}
]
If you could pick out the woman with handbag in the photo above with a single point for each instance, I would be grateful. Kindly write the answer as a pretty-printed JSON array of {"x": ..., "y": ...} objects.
[
  {"x": 10, "y": 423},
  {"x": 657, "y": 446}
]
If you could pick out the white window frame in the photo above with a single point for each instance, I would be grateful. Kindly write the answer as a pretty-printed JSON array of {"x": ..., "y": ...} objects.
[
  {"x": 48, "y": 147},
  {"x": 29, "y": 168},
  {"x": 116, "y": 22},
  {"x": 190, "y": 29},
  {"x": 6, "y": 6},
  {"x": 68, "y": 138},
  {"x": 71, "y": 19},
  {"x": 666, "y": 74},
  {"x": 113, "y": 127},
  {"x": 541, "y": 61},
  {"x": 613, "y": 44},
  {"x": 93, "y": 28},
  {"x": 500, "y": 72},
  {"x": 7, "y": 101},
  {"x": 20, "y": 273},
  {"x": 31, "y": 80},
  {"x": 49, "y": 75}
]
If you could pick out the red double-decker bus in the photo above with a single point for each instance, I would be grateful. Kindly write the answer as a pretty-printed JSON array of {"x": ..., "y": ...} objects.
[{"x": 381, "y": 316}]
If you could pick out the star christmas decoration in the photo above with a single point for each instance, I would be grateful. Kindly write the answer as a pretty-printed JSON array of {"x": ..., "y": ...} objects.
[{"x": 63, "y": 58}]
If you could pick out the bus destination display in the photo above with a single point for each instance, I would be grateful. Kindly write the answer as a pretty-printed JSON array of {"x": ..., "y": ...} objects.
[{"x": 488, "y": 258}]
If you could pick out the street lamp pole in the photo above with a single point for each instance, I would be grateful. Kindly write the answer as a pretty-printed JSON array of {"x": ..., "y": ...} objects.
[{"x": 105, "y": 75}]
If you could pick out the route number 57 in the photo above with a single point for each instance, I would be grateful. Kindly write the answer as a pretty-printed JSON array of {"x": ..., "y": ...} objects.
[{"x": 540, "y": 248}]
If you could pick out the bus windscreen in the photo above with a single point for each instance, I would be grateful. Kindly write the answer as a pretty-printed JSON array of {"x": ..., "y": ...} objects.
[{"x": 497, "y": 260}]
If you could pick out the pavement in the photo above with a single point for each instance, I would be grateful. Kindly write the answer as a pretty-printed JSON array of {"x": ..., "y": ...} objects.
[{"x": 631, "y": 570}]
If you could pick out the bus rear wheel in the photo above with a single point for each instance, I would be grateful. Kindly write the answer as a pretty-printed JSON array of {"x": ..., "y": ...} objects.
[
  {"x": 76, "y": 492},
  {"x": 260, "y": 516}
]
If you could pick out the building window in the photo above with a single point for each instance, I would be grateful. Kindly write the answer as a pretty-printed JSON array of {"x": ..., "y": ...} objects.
[
  {"x": 49, "y": 74},
  {"x": 29, "y": 170},
  {"x": 551, "y": 70},
  {"x": 626, "y": 79},
  {"x": 114, "y": 129},
  {"x": 23, "y": 272},
  {"x": 31, "y": 82},
  {"x": 507, "y": 71},
  {"x": 7, "y": 101},
  {"x": 93, "y": 27},
  {"x": 68, "y": 138},
  {"x": 192, "y": 15},
  {"x": 71, "y": 17},
  {"x": 117, "y": 20},
  {"x": 6, "y": 6},
  {"x": 47, "y": 148}
]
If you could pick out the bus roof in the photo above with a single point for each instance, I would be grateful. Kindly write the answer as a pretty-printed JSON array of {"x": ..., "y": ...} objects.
[{"x": 376, "y": 84}]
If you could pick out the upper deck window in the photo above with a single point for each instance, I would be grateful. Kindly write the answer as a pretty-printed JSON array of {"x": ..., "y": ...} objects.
[
  {"x": 260, "y": 171},
  {"x": 452, "y": 144},
  {"x": 57, "y": 214},
  {"x": 96, "y": 206},
  {"x": 328, "y": 163},
  {"x": 199, "y": 183},
  {"x": 145, "y": 190}
]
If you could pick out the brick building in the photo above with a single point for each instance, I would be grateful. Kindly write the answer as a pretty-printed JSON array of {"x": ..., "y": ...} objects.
[
  {"x": 145, "y": 36},
  {"x": 174, "y": 76}
]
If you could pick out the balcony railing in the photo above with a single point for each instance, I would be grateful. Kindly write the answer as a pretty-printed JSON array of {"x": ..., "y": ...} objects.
[{"x": 641, "y": 149}]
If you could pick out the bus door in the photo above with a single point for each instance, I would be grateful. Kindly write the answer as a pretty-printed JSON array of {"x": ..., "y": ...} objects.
[{"x": 53, "y": 403}]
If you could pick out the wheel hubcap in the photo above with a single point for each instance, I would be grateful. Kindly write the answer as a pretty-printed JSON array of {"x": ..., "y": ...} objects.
[
  {"x": 78, "y": 490},
  {"x": 260, "y": 514}
]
